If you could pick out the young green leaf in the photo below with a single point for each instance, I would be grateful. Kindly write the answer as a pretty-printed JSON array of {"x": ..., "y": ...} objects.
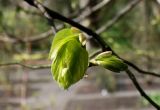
[
  {"x": 104, "y": 55},
  {"x": 69, "y": 58},
  {"x": 110, "y": 62},
  {"x": 60, "y": 38}
]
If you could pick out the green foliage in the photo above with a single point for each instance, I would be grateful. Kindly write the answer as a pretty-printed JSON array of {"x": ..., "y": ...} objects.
[
  {"x": 69, "y": 58},
  {"x": 60, "y": 39},
  {"x": 22, "y": 24},
  {"x": 155, "y": 96},
  {"x": 110, "y": 62},
  {"x": 118, "y": 38}
]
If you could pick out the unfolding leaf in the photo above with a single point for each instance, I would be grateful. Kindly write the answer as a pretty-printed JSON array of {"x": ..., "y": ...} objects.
[
  {"x": 60, "y": 38},
  {"x": 69, "y": 58},
  {"x": 110, "y": 62}
]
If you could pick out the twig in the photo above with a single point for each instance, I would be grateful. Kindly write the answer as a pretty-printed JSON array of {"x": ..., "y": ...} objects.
[
  {"x": 158, "y": 1},
  {"x": 55, "y": 15},
  {"x": 79, "y": 11},
  {"x": 121, "y": 13},
  {"x": 25, "y": 65},
  {"x": 31, "y": 66},
  {"x": 86, "y": 12},
  {"x": 125, "y": 10},
  {"x": 5, "y": 38},
  {"x": 58, "y": 16},
  {"x": 140, "y": 70},
  {"x": 8, "y": 39},
  {"x": 48, "y": 17},
  {"x": 158, "y": 4},
  {"x": 20, "y": 7},
  {"x": 39, "y": 37},
  {"x": 133, "y": 79},
  {"x": 103, "y": 44},
  {"x": 89, "y": 11}
]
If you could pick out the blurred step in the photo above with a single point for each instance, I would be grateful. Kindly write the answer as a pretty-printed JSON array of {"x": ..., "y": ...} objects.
[
  {"x": 126, "y": 84},
  {"x": 34, "y": 76},
  {"x": 10, "y": 100},
  {"x": 115, "y": 101}
]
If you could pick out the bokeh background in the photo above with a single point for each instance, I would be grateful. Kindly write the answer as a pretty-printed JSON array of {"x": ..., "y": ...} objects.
[{"x": 130, "y": 27}]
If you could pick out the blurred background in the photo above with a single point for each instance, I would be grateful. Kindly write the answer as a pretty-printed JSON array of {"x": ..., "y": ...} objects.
[{"x": 130, "y": 27}]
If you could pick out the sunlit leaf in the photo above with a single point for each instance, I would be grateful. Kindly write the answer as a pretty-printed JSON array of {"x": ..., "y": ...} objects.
[
  {"x": 60, "y": 38},
  {"x": 69, "y": 58}
]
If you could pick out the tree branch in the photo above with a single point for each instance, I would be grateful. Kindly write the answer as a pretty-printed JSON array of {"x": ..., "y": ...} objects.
[
  {"x": 158, "y": 1},
  {"x": 85, "y": 13},
  {"x": 55, "y": 15},
  {"x": 31, "y": 66},
  {"x": 89, "y": 11},
  {"x": 36, "y": 38},
  {"x": 25, "y": 65},
  {"x": 21, "y": 7},
  {"x": 120, "y": 14},
  {"x": 133, "y": 79},
  {"x": 42, "y": 36},
  {"x": 140, "y": 70},
  {"x": 105, "y": 47}
]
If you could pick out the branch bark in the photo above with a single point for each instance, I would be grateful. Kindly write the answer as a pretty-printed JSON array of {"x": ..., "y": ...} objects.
[
  {"x": 141, "y": 91},
  {"x": 104, "y": 46},
  {"x": 25, "y": 65},
  {"x": 85, "y": 13},
  {"x": 140, "y": 70},
  {"x": 89, "y": 11},
  {"x": 120, "y": 14},
  {"x": 55, "y": 15}
]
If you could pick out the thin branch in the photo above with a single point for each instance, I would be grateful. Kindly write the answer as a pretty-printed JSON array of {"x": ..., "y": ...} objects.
[
  {"x": 25, "y": 65},
  {"x": 103, "y": 44},
  {"x": 121, "y": 13},
  {"x": 140, "y": 70},
  {"x": 11, "y": 38},
  {"x": 89, "y": 11},
  {"x": 5, "y": 38},
  {"x": 36, "y": 38},
  {"x": 125, "y": 10},
  {"x": 133, "y": 79},
  {"x": 48, "y": 17},
  {"x": 80, "y": 10},
  {"x": 158, "y": 1},
  {"x": 85, "y": 13},
  {"x": 20, "y": 7},
  {"x": 42, "y": 36},
  {"x": 31, "y": 66},
  {"x": 55, "y": 15},
  {"x": 39, "y": 37}
]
